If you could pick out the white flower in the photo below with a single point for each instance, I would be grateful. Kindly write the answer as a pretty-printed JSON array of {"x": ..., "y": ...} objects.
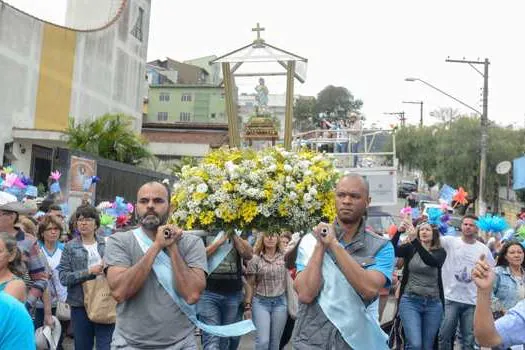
[
  {"x": 272, "y": 168},
  {"x": 313, "y": 191},
  {"x": 307, "y": 197},
  {"x": 202, "y": 188},
  {"x": 292, "y": 195},
  {"x": 288, "y": 168}
]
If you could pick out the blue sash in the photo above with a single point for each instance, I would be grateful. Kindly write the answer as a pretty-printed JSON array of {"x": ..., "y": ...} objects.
[
  {"x": 342, "y": 305},
  {"x": 218, "y": 256},
  {"x": 163, "y": 272}
]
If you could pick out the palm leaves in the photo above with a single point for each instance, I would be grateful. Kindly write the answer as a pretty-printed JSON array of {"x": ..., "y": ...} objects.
[{"x": 110, "y": 136}]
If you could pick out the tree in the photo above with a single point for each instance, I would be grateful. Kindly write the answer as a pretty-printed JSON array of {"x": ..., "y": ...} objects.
[
  {"x": 445, "y": 114},
  {"x": 336, "y": 102},
  {"x": 451, "y": 153},
  {"x": 110, "y": 136},
  {"x": 304, "y": 114}
]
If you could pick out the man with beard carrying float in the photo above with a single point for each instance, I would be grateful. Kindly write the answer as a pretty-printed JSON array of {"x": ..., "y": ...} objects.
[
  {"x": 341, "y": 268},
  {"x": 157, "y": 274}
]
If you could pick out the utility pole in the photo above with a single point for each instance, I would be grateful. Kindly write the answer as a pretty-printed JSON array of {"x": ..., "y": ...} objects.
[
  {"x": 484, "y": 125},
  {"x": 400, "y": 116},
  {"x": 420, "y": 103}
]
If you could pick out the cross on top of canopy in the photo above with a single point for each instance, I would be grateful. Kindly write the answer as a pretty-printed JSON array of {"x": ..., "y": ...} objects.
[{"x": 259, "y": 51}]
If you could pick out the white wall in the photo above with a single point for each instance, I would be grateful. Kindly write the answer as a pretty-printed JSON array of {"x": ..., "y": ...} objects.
[{"x": 179, "y": 149}]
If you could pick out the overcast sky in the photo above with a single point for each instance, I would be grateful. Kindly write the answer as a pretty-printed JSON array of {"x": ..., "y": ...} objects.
[{"x": 369, "y": 47}]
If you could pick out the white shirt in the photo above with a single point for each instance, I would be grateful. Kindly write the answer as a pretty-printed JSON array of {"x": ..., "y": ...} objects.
[
  {"x": 53, "y": 259},
  {"x": 94, "y": 257},
  {"x": 457, "y": 270}
]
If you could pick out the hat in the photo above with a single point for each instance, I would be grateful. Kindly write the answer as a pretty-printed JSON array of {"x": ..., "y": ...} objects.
[
  {"x": 47, "y": 337},
  {"x": 8, "y": 202}
]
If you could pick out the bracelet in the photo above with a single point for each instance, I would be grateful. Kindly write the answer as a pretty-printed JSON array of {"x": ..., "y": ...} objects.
[{"x": 247, "y": 306}]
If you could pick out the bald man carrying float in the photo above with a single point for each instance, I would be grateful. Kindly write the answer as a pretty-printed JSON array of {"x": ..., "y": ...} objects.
[{"x": 341, "y": 268}]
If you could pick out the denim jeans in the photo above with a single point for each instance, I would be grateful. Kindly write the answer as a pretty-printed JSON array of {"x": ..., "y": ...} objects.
[
  {"x": 219, "y": 309},
  {"x": 86, "y": 331},
  {"x": 454, "y": 312},
  {"x": 269, "y": 316},
  {"x": 420, "y": 317}
]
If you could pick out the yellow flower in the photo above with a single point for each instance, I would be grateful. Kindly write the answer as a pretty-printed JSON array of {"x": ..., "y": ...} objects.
[
  {"x": 249, "y": 211},
  {"x": 190, "y": 221},
  {"x": 227, "y": 186},
  {"x": 197, "y": 196},
  {"x": 207, "y": 217}
]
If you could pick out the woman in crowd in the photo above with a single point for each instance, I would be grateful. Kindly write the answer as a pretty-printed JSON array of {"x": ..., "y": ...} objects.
[
  {"x": 49, "y": 231},
  {"x": 509, "y": 284},
  {"x": 82, "y": 261},
  {"x": 27, "y": 225},
  {"x": 421, "y": 292},
  {"x": 290, "y": 255},
  {"x": 267, "y": 276},
  {"x": 11, "y": 267}
]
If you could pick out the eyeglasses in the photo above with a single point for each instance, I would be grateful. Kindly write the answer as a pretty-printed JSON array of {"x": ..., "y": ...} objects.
[{"x": 85, "y": 220}]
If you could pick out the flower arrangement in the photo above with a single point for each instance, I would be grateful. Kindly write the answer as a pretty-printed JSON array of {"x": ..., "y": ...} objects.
[{"x": 269, "y": 190}]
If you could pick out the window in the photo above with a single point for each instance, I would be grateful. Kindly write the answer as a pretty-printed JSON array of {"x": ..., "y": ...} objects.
[
  {"x": 139, "y": 24},
  {"x": 185, "y": 116},
  {"x": 186, "y": 98},
  {"x": 212, "y": 116},
  {"x": 162, "y": 116},
  {"x": 164, "y": 97}
]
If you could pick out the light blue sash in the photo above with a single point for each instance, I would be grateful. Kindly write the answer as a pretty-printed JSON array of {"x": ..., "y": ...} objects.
[
  {"x": 218, "y": 256},
  {"x": 163, "y": 272},
  {"x": 342, "y": 305}
]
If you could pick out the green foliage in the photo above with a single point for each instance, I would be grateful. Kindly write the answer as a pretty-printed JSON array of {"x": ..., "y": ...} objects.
[
  {"x": 450, "y": 153},
  {"x": 110, "y": 136},
  {"x": 176, "y": 169},
  {"x": 304, "y": 114},
  {"x": 337, "y": 101}
]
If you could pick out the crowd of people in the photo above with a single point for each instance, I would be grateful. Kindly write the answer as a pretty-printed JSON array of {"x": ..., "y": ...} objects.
[{"x": 151, "y": 285}]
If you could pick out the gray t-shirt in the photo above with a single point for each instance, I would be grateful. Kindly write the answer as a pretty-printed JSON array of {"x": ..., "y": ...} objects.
[
  {"x": 151, "y": 319},
  {"x": 422, "y": 279}
]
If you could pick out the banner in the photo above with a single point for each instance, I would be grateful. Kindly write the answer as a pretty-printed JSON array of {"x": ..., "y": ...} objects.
[{"x": 519, "y": 174}]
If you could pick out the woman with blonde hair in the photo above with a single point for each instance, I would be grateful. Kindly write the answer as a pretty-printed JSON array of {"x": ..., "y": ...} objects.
[
  {"x": 11, "y": 267},
  {"x": 267, "y": 275}
]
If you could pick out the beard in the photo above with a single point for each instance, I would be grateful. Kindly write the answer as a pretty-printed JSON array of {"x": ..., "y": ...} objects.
[{"x": 151, "y": 221}]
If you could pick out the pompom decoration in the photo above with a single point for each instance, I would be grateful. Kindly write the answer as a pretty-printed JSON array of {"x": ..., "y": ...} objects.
[
  {"x": 461, "y": 196},
  {"x": 55, "y": 175},
  {"x": 122, "y": 220},
  {"x": 392, "y": 230},
  {"x": 104, "y": 205},
  {"x": 120, "y": 207},
  {"x": 10, "y": 179},
  {"x": 521, "y": 232},
  {"x": 130, "y": 208},
  {"x": 415, "y": 213},
  {"x": 19, "y": 184},
  {"x": 26, "y": 180},
  {"x": 55, "y": 187},
  {"x": 492, "y": 224},
  {"x": 107, "y": 220},
  {"x": 508, "y": 235},
  {"x": 434, "y": 216},
  {"x": 405, "y": 212},
  {"x": 8, "y": 170},
  {"x": 95, "y": 179}
]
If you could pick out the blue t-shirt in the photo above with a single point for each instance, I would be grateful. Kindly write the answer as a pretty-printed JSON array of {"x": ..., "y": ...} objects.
[
  {"x": 384, "y": 262},
  {"x": 16, "y": 327},
  {"x": 511, "y": 327}
]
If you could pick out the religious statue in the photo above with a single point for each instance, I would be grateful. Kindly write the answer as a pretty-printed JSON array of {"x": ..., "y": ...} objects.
[{"x": 262, "y": 96}]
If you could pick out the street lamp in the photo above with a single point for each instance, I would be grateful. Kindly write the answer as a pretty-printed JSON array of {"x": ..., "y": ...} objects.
[
  {"x": 444, "y": 93},
  {"x": 420, "y": 111}
]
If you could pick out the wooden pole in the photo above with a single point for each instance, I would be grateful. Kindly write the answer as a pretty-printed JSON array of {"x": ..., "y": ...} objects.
[
  {"x": 288, "y": 124},
  {"x": 231, "y": 108}
]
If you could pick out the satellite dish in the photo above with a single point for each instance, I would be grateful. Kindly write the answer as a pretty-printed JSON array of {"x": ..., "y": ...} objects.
[{"x": 503, "y": 167}]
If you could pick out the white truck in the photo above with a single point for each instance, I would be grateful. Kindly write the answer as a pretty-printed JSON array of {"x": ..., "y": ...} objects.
[{"x": 370, "y": 153}]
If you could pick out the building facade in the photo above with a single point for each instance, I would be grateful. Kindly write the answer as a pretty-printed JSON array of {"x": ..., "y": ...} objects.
[
  {"x": 51, "y": 73},
  {"x": 185, "y": 103}
]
